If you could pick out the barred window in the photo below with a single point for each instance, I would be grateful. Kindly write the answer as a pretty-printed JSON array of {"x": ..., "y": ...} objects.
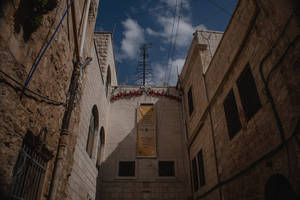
[{"x": 29, "y": 170}]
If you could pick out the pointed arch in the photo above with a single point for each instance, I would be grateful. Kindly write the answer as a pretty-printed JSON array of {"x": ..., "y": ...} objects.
[
  {"x": 278, "y": 187},
  {"x": 93, "y": 128},
  {"x": 100, "y": 147}
]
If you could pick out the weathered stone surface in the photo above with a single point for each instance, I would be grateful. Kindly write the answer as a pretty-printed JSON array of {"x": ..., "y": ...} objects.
[{"x": 244, "y": 163}]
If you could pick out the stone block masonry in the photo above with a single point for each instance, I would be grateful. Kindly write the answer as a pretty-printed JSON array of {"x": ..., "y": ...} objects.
[{"x": 244, "y": 165}]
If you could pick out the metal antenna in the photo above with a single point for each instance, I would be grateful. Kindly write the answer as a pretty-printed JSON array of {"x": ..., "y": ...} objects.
[{"x": 143, "y": 71}]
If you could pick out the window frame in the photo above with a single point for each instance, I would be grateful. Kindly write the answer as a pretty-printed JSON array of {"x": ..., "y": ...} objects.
[
  {"x": 124, "y": 176},
  {"x": 190, "y": 99},
  {"x": 195, "y": 175},
  {"x": 92, "y": 131},
  {"x": 173, "y": 171},
  {"x": 201, "y": 170},
  {"x": 250, "y": 100},
  {"x": 232, "y": 115}
]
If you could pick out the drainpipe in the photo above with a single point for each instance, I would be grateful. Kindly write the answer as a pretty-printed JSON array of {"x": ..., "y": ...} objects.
[
  {"x": 213, "y": 138},
  {"x": 64, "y": 134},
  {"x": 84, "y": 27},
  {"x": 186, "y": 135}
]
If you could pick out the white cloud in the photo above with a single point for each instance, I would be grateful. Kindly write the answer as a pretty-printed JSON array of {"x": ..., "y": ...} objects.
[
  {"x": 172, "y": 3},
  {"x": 184, "y": 34},
  {"x": 133, "y": 38},
  {"x": 151, "y": 32},
  {"x": 163, "y": 74}
]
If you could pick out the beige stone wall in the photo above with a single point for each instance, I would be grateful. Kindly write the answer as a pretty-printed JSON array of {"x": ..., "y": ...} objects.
[
  {"x": 51, "y": 79},
  {"x": 84, "y": 172},
  {"x": 83, "y": 179},
  {"x": 105, "y": 55},
  {"x": 121, "y": 146},
  {"x": 266, "y": 36}
]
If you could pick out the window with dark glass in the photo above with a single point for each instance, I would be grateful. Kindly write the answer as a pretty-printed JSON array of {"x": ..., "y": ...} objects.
[
  {"x": 190, "y": 101},
  {"x": 232, "y": 115},
  {"x": 201, "y": 168},
  {"x": 166, "y": 168},
  {"x": 195, "y": 174},
  {"x": 108, "y": 81},
  {"x": 91, "y": 134},
  {"x": 126, "y": 168},
  {"x": 248, "y": 93},
  {"x": 93, "y": 127},
  {"x": 100, "y": 148}
]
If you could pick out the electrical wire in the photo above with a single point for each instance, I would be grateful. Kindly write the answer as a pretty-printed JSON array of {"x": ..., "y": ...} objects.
[
  {"x": 45, "y": 99},
  {"x": 43, "y": 46},
  {"x": 171, "y": 43},
  {"x": 175, "y": 41},
  {"x": 222, "y": 9},
  {"x": 45, "y": 49}
]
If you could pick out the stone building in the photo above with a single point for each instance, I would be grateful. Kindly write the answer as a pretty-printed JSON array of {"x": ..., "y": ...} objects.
[
  {"x": 144, "y": 155},
  {"x": 93, "y": 124},
  {"x": 228, "y": 130},
  {"x": 40, "y": 112},
  {"x": 242, "y": 105}
]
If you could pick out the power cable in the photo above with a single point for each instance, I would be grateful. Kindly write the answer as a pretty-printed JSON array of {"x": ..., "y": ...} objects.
[
  {"x": 171, "y": 42},
  {"x": 175, "y": 40},
  {"x": 45, "y": 49},
  {"x": 222, "y": 9},
  {"x": 48, "y": 100}
]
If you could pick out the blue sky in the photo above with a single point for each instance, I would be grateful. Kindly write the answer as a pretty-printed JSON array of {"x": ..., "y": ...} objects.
[{"x": 167, "y": 24}]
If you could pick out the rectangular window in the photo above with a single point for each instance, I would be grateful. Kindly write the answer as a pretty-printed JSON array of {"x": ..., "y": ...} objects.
[
  {"x": 232, "y": 115},
  {"x": 248, "y": 93},
  {"x": 126, "y": 168},
  {"x": 195, "y": 174},
  {"x": 190, "y": 101},
  {"x": 201, "y": 168},
  {"x": 146, "y": 104},
  {"x": 166, "y": 168}
]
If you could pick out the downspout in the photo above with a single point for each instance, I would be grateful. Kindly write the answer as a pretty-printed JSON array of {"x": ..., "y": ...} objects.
[
  {"x": 64, "y": 134},
  {"x": 84, "y": 27},
  {"x": 186, "y": 134},
  {"x": 213, "y": 138}
]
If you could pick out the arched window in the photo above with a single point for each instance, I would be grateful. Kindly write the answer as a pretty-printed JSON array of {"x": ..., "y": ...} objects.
[
  {"x": 93, "y": 127},
  {"x": 100, "y": 147},
  {"x": 108, "y": 80},
  {"x": 279, "y": 188}
]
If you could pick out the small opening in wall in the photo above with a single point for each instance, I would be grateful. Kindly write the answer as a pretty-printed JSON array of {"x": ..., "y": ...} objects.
[
  {"x": 190, "y": 101},
  {"x": 195, "y": 174},
  {"x": 232, "y": 115},
  {"x": 146, "y": 104},
  {"x": 126, "y": 168},
  {"x": 201, "y": 168},
  {"x": 248, "y": 93},
  {"x": 279, "y": 188},
  {"x": 166, "y": 168}
]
